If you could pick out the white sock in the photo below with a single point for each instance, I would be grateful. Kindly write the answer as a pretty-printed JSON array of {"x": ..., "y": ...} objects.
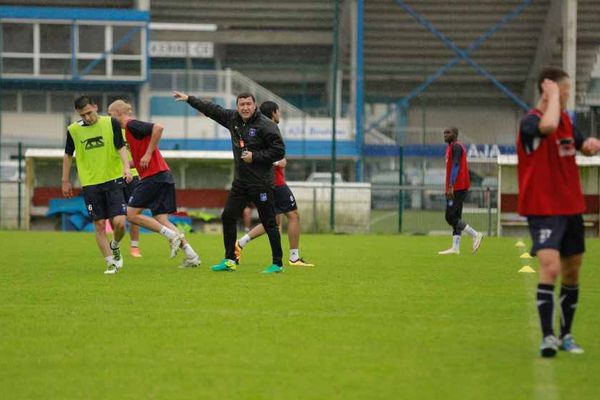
[
  {"x": 168, "y": 233},
  {"x": 114, "y": 244},
  {"x": 108, "y": 260},
  {"x": 189, "y": 252},
  {"x": 294, "y": 254},
  {"x": 470, "y": 231},
  {"x": 134, "y": 243},
  {"x": 456, "y": 242},
  {"x": 244, "y": 240}
]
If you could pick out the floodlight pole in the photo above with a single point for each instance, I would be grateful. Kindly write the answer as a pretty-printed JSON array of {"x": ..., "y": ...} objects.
[
  {"x": 359, "y": 89},
  {"x": 334, "y": 77},
  {"x": 1, "y": 91},
  {"x": 401, "y": 123}
]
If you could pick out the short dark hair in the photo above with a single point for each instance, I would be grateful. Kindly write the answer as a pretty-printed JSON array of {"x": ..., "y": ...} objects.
[
  {"x": 452, "y": 129},
  {"x": 245, "y": 95},
  {"x": 551, "y": 73},
  {"x": 83, "y": 101},
  {"x": 268, "y": 108}
]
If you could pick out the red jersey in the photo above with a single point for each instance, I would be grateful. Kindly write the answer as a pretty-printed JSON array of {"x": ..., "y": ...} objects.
[
  {"x": 548, "y": 175},
  {"x": 279, "y": 176},
  {"x": 138, "y": 136},
  {"x": 463, "y": 180}
]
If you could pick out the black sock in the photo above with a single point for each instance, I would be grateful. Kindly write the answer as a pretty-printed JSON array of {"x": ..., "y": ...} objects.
[
  {"x": 568, "y": 303},
  {"x": 545, "y": 305}
]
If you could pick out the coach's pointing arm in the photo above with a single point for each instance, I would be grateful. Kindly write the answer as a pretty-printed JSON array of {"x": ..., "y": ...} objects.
[{"x": 211, "y": 110}]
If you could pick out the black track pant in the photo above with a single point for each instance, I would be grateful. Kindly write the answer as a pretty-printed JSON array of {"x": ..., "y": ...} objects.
[
  {"x": 262, "y": 197},
  {"x": 454, "y": 209}
]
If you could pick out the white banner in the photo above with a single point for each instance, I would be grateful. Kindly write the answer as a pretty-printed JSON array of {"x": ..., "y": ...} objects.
[
  {"x": 201, "y": 127},
  {"x": 315, "y": 129},
  {"x": 180, "y": 49}
]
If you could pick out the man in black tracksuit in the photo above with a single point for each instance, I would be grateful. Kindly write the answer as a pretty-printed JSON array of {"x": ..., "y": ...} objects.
[{"x": 257, "y": 144}]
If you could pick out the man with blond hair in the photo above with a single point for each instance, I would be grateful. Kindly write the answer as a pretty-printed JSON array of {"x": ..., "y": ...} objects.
[{"x": 156, "y": 189}]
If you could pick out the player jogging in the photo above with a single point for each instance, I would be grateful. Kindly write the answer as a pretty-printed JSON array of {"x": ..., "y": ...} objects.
[
  {"x": 550, "y": 197},
  {"x": 156, "y": 189},
  {"x": 285, "y": 203},
  {"x": 458, "y": 183},
  {"x": 101, "y": 165}
]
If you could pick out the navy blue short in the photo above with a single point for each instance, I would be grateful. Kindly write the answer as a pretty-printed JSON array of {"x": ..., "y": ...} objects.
[
  {"x": 130, "y": 187},
  {"x": 564, "y": 233},
  {"x": 105, "y": 200},
  {"x": 156, "y": 192},
  {"x": 284, "y": 200}
]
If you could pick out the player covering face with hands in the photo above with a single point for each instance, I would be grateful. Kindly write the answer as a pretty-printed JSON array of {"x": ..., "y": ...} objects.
[{"x": 550, "y": 197}]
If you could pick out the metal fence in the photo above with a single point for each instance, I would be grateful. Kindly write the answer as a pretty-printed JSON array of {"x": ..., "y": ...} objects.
[
  {"x": 13, "y": 205},
  {"x": 421, "y": 210}
]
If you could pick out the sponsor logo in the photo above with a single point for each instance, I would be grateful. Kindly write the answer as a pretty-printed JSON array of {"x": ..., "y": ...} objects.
[
  {"x": 566, "y": 147},
  {"x": 93, "y": 143},
  {"x": 263, "y": 197},
  {"x": 544, "y": 235}
]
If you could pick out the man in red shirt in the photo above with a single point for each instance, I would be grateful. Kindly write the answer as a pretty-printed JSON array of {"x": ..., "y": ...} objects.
[
  {"x": 550, "y": 197},
  {"x": 285, "y": 203},
  {"x": 458, "y": 183},
  {"x": 156, "y": 189}
]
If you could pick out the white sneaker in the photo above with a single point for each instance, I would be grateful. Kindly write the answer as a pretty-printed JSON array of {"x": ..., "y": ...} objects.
[
  {"x": 191, "y": 262},
  {"x": 451, "y": 250},
  {"x": 111, "y": 269},
  {"x": 477, "y": 242},
  {"x": 175, "y": 243}
]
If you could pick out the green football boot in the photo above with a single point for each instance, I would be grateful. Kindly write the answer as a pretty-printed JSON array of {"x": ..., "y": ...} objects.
[
  {"x": 273, "y": 269},
  {"x": 225, "y": 265}
]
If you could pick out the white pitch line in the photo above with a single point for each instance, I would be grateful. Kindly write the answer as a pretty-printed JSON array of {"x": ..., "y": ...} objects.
[{"x": 382, "y": 217}]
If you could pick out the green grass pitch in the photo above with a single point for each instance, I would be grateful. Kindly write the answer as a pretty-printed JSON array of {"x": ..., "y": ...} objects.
[{"x": 380, "y": 317}]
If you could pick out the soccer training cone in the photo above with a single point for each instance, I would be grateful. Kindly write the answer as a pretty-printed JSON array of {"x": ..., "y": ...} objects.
[
  {"x": 520, "y": 244},
  {"x": 527, "y": 269},
  {"x": 525, "y": 256}
]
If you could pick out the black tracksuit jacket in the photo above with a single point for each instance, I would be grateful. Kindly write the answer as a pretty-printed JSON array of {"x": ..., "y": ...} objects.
[{"x": 259, "y": 134}]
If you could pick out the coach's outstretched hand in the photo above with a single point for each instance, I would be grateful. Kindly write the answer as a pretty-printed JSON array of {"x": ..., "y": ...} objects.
[{"x": 180, "y": 96}]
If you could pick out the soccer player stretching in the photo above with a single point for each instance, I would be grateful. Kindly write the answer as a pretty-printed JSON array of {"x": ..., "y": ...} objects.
[
  {"x": 457, "y": 187},
  {"x": 156, "y": 189},
  {"x": 550, "y": 197}
]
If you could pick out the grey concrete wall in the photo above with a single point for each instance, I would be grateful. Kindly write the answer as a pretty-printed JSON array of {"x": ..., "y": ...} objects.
[
  {"x": 352, "y": 206},
  {"x": 9, "y": 206}
]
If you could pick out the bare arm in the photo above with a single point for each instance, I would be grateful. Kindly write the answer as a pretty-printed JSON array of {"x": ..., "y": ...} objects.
[
  {"x": 551, "y": 118},
  {"x": 67, "y": 189},
  {"x": 157, "y": 131},
  {"x": 126, "y": 167}
]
